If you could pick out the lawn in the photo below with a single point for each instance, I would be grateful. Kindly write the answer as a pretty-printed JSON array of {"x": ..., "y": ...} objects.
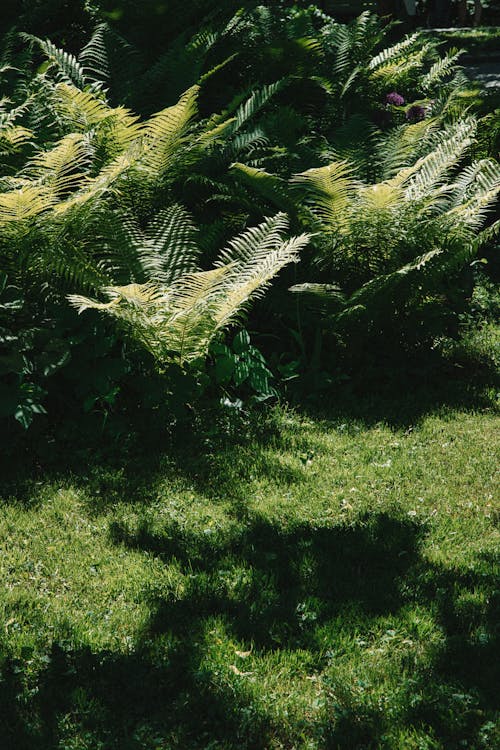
[{"x": 315, "y": 581}]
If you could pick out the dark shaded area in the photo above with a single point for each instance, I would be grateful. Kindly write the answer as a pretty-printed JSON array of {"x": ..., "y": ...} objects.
[
  {"x": 130, "y": 448},
  {"x": 299, "y": 580},
  {"x": 321, "y": 565}
]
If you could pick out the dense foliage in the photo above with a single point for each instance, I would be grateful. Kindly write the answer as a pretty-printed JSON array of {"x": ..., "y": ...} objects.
[{"x": 122, "y": 179}]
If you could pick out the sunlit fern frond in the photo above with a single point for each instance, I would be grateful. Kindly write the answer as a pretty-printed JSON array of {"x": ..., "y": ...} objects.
[
  {"x": 93, "y": 58},
  {"x": 177, "y": 321},
  {"x": 434, "y": 168},
  {"x": 443, "y": 68},
  {"x": 262, "y": 238},
  {"x": 175, "y": 324},
  {"x": 10, "y": 114},
  {"x": 68, "y": 67},
  {"x": 253, "y": 259},
  {"x": 487, "y": 235},
  {"x": 163, "y": 133},
  {"x": 15, "y": 129},
  {"x": 474, "y": 212},
  {"x": 94, "y": 188},
  {"x": 392, "y": 72},
  {"x": 19, "y": 205},
  {"x": 79, "y": 110},
  {"x": 381, "y": 197},
  {"x": 13, "y": 137},
  {"x": 120, "y": 129},
  {"x": 192, "y": 302},
  {"x": 84, "y": 111},
  {"x": 394, "y": 52},
  {"x": 251, "y": 280},
  {"x": 63, "y": 167},
  {"x": 328, "y": 191},
  {"x": 399, "y": 147},
  {"x": 480, "y": 176}
]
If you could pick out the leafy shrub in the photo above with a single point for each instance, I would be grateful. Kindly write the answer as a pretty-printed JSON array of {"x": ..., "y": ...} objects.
[{"x": 240, "y": 367}]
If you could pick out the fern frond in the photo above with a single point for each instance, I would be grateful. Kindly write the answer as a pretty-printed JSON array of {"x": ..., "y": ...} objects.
[
  {"x": 269, "y": 186},
  {"x": 168, "y": 247},
  {"x": 64, "y": 166},
  {"x": 177, "y": 321},
  {"x": 265, "y": 237},
  {"x": 13, "y": 137},
  {"x": 379, "y": 198},
  {"x": 399, "y": 148},
  {"x": 93, "y": 58},
  {"x": 391, "y": 53},
  {"x": 329, "y": 191},
  {"x": 243, "y": 145},
  {"x": 474, "y": 212},
  {"x": 69, "y": 69},
  {"x": 479, "y": 176},
  {"x": 385, "y": 285},
  {"x": 323, "y": 293},
  {"x": 395, "y": 70},
  {"x": 441, "y": 69},
  {"x": 433, "y": 168},
  {"x": 19, "y": 205},
  {"x": 253, "y": 259},
  {"x": 79, "y": 110},
  {"x": 164, "y": 132},
  {"x": 94, "y": 188},
  {"x": 256, "y": 102}
]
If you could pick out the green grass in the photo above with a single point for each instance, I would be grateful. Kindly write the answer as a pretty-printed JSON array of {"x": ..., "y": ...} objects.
[
  {"x": 475, "y": 41},
  {"x": 321, "y": 583}
]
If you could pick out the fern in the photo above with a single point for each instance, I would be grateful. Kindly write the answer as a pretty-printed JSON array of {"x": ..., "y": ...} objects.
[
  {"x": 395, "y": 243},
  {"x": 389, "y": 54},
  {"x": 166, "y": 248},
  {"x": 62, "y": 168},
  {"x": 441, "y": 69},
  {"x": 328, "y": 190},
  {"x": 256, "y": 102},
  {"x": 93, "y": 59},
  {"x": 68, "y": 67},
  {"x": 177, "y": 321},
  {"x": 165, "y": 131},
  {"x": 269, "y": 186}
]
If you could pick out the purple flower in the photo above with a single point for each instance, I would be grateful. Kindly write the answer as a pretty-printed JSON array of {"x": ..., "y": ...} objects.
[
  {"x": 415, "y": 113},
  {"x": 395, "y": 98}
]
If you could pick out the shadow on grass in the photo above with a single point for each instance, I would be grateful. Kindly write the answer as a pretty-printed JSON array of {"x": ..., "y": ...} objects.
[
  {"x": 399, "y": 397},
  {"x": 275, "y": 591},
  {"x": 402, "y": 397},
  {"x": 294, "y": 579}
]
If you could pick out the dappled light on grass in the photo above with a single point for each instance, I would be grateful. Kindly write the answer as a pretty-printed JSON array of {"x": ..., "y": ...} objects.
[{"x": 327, "y": 585}]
